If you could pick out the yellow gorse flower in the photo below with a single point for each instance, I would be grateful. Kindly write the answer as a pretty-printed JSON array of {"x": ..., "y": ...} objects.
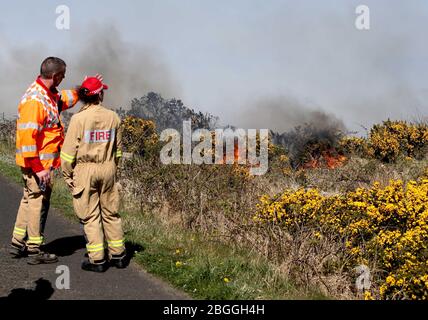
[
  {"x": 389, "y": 140},
  {"x": 389, "y": 225}
]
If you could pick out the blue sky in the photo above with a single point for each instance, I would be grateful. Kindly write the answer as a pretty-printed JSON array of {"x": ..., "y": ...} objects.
[{"x": 255, "y": 63}]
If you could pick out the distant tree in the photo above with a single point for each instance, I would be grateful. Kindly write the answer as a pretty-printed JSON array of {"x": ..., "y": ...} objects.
[{"x": 169, "y": 113}]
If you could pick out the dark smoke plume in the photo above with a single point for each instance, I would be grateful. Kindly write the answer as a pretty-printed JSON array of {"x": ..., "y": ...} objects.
[
  {"x": 304, "y": 131},
  {"x": 282, "y": 114},
  {"x": 130, "y": 70}
]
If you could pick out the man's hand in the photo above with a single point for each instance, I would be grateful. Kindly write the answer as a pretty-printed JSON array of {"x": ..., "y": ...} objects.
[{"x": 44, "y": 177}]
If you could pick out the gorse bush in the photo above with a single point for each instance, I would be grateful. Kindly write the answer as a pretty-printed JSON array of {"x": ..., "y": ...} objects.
[
  {"x": 393, "y": 138},
  {"x": 390, "y": 140},
  {"x": 354, "y": 145},
  {"x": 139, "y": 135},
  {"x": 381, "y": 227}
]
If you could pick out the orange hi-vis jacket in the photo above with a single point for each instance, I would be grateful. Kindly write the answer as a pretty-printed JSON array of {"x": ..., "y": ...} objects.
[{"x": 39, "y": 130}]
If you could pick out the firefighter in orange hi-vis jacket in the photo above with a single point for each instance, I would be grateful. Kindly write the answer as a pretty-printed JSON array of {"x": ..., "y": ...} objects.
[
  {"x": 39, "y": 138},
  {"x": 90, "y": 155}
]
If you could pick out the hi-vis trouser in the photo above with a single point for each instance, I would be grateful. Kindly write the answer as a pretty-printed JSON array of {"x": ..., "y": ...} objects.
[
  {"x": 32, "y": 213},
  {"x": 96, "y": 202}
]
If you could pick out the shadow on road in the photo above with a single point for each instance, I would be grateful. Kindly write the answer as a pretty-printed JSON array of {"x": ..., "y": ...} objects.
[
  {"x": 65, "y": 246},
  {"x": 42, "y": 291},
  {"x": 131, "y": 250},
  {"x": 69, "y": 245}
]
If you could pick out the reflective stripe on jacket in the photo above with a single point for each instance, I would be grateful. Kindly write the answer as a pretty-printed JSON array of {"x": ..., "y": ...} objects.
[{"x": 39, "y": 131}]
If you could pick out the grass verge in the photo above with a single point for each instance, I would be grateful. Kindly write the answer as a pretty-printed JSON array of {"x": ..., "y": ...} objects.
[{"x": 204, "y": 268}]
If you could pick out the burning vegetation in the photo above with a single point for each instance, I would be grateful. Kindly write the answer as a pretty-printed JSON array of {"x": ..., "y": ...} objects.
[
  {"x": 314, "y": 225},
  {"x": 329, "y": 158},
  {"x": 296, "y": 198},
  {"x": 310, "y": 146}
]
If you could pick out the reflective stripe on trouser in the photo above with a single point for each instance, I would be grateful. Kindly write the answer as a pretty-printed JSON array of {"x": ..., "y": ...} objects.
[
  {"x": 32, "y": 213},
  {"x": 48, "y": 156},
  {"x": 96, "y": 202}
]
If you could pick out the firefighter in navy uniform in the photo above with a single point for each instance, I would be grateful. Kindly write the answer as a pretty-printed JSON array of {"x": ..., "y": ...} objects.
[{"x": 90, "y": 154}]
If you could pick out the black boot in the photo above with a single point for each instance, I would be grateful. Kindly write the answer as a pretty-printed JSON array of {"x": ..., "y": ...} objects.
[
  {"x": 119, "y": 261},
  {"x": 41, "y": 257},
  {"x": 97, "y": 266},
  {"x": 18, "y": 251}
]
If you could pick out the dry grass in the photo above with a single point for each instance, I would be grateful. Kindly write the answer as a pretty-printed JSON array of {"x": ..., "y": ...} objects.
[{"x": 218, "y": 202}]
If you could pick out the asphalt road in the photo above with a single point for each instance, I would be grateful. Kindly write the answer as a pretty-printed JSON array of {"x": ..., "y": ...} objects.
[{"x": 20, "y": 280}]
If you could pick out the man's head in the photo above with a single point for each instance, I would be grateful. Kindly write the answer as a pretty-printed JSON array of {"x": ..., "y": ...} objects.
[{"x": 53, "y": 69}]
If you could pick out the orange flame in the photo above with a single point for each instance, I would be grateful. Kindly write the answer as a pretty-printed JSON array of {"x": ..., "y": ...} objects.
[
  {"x": 329, "y": 158},
  {"x": 235, "y": 154}
]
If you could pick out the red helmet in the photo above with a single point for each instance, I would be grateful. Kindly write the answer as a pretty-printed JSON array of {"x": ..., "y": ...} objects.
[{"x": 93, "y": 85}]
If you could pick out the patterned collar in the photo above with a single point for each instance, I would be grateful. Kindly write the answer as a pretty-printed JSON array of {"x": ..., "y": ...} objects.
[{"x": 52, "y": 93}]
